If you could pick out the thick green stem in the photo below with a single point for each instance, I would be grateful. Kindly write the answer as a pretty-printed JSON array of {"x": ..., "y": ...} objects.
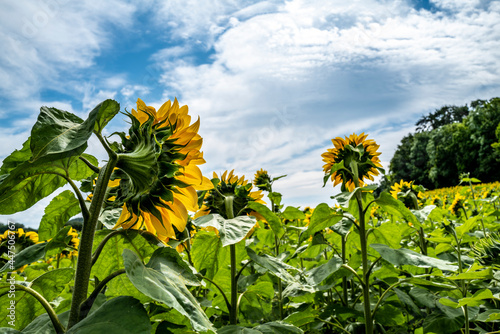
[
  {"x": 84, "y": 264},
  {"x": 280, "y": 288},
  {"x": 364, "y": 259},
  {"x": 233, "y": 311},
  {"x": 344, "y": 279}
]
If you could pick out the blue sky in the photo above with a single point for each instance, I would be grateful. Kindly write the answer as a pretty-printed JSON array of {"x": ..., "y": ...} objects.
[{"x": 273, "y": 81}]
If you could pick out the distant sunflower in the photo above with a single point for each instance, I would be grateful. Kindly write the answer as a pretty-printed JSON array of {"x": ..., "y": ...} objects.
[
  {"x": 458, "y": 203},
  {"x": 262, "y": 180},
  {"x": 404, "y": 191},
  {"x": 157, "y": 173},
  {"x": 230, "y": 185},
  {"x": 345, "y": 151}
]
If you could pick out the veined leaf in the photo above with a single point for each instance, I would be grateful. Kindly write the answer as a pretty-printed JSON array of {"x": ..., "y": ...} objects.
[
  {"x": 404, "y": 256},
  {"x": 57, "y": 213},
  {"x": 292, "y": 213},
  {"x": 231, "y": 231},
  {"x": 168, "y": 261},
  {"x": 106, "y": 111},
  {"x": 274, "y": 265},
  {"x": 120, "y": 315},
  {"x": 323, "y": 216},
  {"x": 165, "y": 287},
  {"x": 269, "y": 216},
  {"x": 395, "y": 207}
]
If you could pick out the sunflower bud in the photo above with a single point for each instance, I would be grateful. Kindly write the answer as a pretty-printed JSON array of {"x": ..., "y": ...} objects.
[{"x": 487, "y": 250}]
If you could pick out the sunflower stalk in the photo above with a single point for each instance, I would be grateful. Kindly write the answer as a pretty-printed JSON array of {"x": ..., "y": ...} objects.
[
  {"x": 84, "y": 264},
  {"x": 233, "y": 311}
]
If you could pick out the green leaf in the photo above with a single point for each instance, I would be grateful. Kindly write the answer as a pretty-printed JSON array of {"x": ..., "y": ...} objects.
[
  {"x": 482, "y": 274},
  {"x": 466, "y": 227},
  {"x": 60, "y": 134},
  {"x": 278, "y": 328},
  {"x": 31, "y": 181},
  {"x": 402, "y": 256},
  {"x": 269, "y": 216},
  {"x": 120, "y": 315},
  {"x": 323, "y": 216},
  {"x": 476, "y": 299},
  {"x": 255, "y": 302},
  {"x": 274, "y": 265},
  {"x": 167, "y": 288},
  {"x": 292, "y": 213},
  {"x": 444, "y": 323},
  {"x": 16, "y": 158},
  {"x": 389, "y": 315},
  {"x": 111, "y": 259},
  {"x": 231, "y": 231},
  {"x": 397, "y": 208},
  {"x": 58, "y": 243},
  {"x": 27, "y": 308},
  {"x": 57, "y": 213},
  {"x": 233, "y": 329},
  {"x": 106, "y": 111},
  {"x": 51, "y": 284},
  {"x": 491, "y": 315},
  {"x": 168, "y": 261},
  {"x": 109, "y": 217},
  {"x": 302, "y": 318},
  {"x": 387, "y": 233},
  {"x": 315, "y": 276},
  {"x": 26, "y": 256}
]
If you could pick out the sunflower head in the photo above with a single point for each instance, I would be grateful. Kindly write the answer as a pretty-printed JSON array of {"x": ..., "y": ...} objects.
[
  {"x": 408, "y": 193},
  {"x": 229, "y": 197},
  {"x": 457, "y": 204},
  {"x": 156, "y": 176},
  {"x": 352, "y": 160},
  {"x": 22, "y": 239},
  {"x": 262, "y": 180}
]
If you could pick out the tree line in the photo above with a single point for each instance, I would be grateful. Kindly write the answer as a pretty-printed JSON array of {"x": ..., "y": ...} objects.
[{"x": 448, "y": 142}]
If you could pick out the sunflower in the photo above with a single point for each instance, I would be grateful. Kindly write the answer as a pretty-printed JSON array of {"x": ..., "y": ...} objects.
[
  {"x": 458, "y": 203},
  {"x": 408, "y": 193},
  {"x": 157, "y": 173},
  {"x": 351, "y": 149},
  {"x": 262, "y": 180},
  {"x": 19, "y": 239},
  {"x": 230, "y": 185}
]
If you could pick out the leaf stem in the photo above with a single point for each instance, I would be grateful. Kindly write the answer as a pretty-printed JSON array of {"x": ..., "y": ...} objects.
[{"x": 50, "y": 311}]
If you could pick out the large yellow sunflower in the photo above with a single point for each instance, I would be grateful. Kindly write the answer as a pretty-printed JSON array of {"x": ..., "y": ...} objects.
[
  {"x": 236, "y": 187},
  {"x": 367, "y": 162},
  {"x": 157, "y": 173}
]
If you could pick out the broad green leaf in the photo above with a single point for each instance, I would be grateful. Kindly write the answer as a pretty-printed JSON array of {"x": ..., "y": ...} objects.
[
  {"x": 444, "y": 323},
  {"x": 231, "y": 231},
  {"x": 60, "y": 134},
  {"x": 26, "y": 256},
  {"x": 315, "y": 276},
  {"x": 111, "y": 259},
  {"x": 120, "y": 315},
  {"x": 404, "y": 256},
  {"x": 395, "y": 207},
  {"x": 448, "y": 302},
  {"x": 57, "y": 213},
  {"x": 389, "y": 315},
  {"x": 476, "y": 299},
  {"x": 58, "y": 243},
  {"x": 16, "y": 158},
  {"x": 9, "y": 330},
  {"x": 269, "y": 216},
  {"x": 482, "y": 274},
  {"x": 466, "y": 227},
  {"x": 423, "y": 214},
  {"x": 168, "y": 261},
  {"x": 31, "y": 181},
  {"x": 292, "y": 213},
  {"x": 278, "y": 328},
  {"x": 233, "y": 329},
  {"x": 274, "y": 265},
  {"x": 302, "y": 318},
  {"x": 388, "y": 234},
  {"x": 323, "y": 216},
  {"x": 205, "y": 253},
  {"x": 106, "y": 111},
  {"x": 491, "y": 315},
  {"x": 26, "y": 307},
  {"x": 431, "y": 284},
  {"x": 52, "y": 283},
  {"x": 343, "y": 226},
  {"x": 43, "y": 325},
  {"x": 405, "y": 299},
  {"x": 167, "y": 288},
  {"x": 255, "y": 302}
]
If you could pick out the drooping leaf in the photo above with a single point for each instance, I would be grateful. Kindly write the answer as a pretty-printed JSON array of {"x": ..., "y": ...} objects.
[
  {"x": 274, "y": 265},
  {"x": 106, "y": 111},
  {"x": 167, "y": 288},
  {"x": 269, "y": 216},
  {"x": 120, "y": 315},
  {"x": 231, "y": 231},
  {"x": 318, "y": 274},
  {"x": 52, "y": 283},
  {"x": 57, "y": 213},
  {"x": 395, "y": 207},
  {"x": 404, "y": 256},
  {"x": 323, "y": 216},
  {"x": 111, "y": 259},
  {"x": 60, "y": 134},
  {"x": 16, "y": 158},
  {"x": 168, "y": 261},
  {"x": 26, "y": 256},
  {"x": 205, "y": 251}
]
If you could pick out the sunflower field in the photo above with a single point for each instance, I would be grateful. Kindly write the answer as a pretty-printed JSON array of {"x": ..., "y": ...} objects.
[{"x": 165, "y": 249}]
